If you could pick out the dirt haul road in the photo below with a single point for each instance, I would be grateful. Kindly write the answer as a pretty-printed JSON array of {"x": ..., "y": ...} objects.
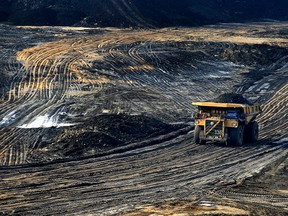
[{"x": 98, "y": 121}]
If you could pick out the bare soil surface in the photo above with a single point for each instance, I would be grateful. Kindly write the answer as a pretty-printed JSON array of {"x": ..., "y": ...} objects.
[{"x": 97, "y": 121}]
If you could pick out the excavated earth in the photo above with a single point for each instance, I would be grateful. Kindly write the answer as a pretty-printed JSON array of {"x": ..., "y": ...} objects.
[{"x": 98, "y": 121}]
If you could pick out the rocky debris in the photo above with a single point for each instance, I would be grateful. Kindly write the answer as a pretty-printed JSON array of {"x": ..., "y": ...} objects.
[
  {"x": 100, "y": 134},
  {"x": 252, "y": 55},
  {"x": 231, "y": 98},
  {"x": 129, "y": 128}
]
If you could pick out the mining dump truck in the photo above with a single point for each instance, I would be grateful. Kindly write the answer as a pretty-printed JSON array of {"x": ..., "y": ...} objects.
[{"x": 229, "y": 123}]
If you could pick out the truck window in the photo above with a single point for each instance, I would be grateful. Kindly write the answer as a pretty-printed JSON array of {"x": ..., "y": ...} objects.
[{"x": 232, "y": 114}]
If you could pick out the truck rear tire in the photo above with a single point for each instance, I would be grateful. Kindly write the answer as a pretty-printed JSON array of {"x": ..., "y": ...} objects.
[
  {"x": 198, "y": 134},
  {"x": 236, "y": 136},
  {"x": 252, "y": 132}
]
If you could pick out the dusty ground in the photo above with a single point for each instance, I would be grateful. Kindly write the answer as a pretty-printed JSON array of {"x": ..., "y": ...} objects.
[{"x": 98, "y": 121}]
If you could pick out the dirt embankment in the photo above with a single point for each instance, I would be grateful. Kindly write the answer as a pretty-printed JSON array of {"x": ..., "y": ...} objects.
[
  {"x": 99, "y": 135},
  {"x": 138, "y": 13}
]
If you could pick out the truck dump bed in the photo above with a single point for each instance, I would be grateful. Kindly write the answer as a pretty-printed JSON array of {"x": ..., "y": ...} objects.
[{"x": 247, "y": 109}]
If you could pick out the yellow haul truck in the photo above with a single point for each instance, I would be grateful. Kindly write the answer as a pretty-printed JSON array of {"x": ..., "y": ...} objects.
[{"x": 227, "y": 123}]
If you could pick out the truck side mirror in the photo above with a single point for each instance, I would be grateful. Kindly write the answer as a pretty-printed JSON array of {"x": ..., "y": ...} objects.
[{"x": 194, "y": 115}]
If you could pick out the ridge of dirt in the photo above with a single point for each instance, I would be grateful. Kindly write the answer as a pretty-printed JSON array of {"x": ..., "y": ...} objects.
[{"x": 103, "y": 133}]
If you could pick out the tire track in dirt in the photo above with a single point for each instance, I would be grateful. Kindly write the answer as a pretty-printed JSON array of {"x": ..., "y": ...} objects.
[
  {"x": 124, "y": 176},
  {"x": 159, "y": 170},
  {"x": 65, "y": 58},
  {"x": 274, "y": 119}
]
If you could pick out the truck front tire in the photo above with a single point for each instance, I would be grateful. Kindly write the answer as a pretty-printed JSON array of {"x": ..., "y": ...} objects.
[
  {"x": 236, "y": 136},
  {"x": 198, "y": 134}
]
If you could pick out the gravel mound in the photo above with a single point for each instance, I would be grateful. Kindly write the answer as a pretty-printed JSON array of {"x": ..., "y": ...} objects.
[
  {"x": 231, "y": 98},
  {"x": 101, "y": 133}
]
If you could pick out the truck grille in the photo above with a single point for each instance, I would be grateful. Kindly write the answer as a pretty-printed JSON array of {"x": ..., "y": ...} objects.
[{"x": 216, "y": 131}]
